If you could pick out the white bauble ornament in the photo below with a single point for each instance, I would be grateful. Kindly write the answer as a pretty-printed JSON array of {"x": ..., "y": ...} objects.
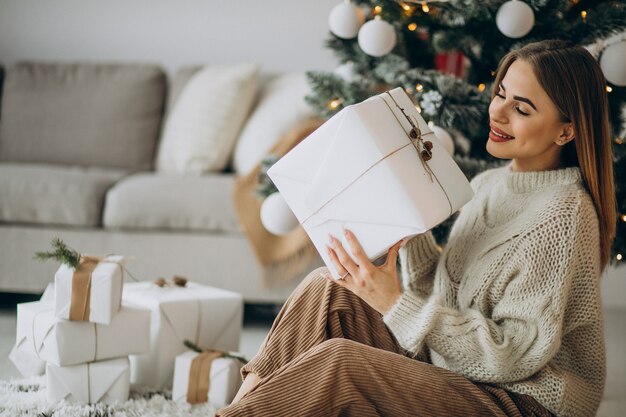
[
  {"x": 377, "y": 37},
  {"x": 345, "y": 71},
  {"x": 444, "y": 138},
  {"x": 613, "y": 63},
  {"x": 515, "y": 19},
  {"x": 276, "y": 216},
  {"x": 345, "y": 20}
]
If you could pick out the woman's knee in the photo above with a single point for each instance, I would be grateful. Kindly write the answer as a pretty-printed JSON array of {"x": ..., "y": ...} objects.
[
  {"x": 339, "y": 349},
  {"x": 315, "y": 278}
]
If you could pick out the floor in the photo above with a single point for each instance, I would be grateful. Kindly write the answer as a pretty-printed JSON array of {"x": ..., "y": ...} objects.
[{"x": 258, "y": 320}]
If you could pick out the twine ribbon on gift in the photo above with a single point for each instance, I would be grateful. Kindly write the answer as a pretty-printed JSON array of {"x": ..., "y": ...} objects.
[
  {"x": 81, "y": 288},
  {"x": 200, "y": 371},
  {"x": 200, "y": 376},
  {"x": 81, "y": 284},
  {"x": 415, "y": 137}
]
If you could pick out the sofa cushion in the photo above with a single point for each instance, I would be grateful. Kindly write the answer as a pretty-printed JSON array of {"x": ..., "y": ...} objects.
[
  {"x": 201, "y": 129},
  {"x": 180, "y": 80},
  {"x": 87, "y": 114},
  {"x": 49, "y": 194},
  {"x": 170, "y": 201},
  {"x": 280, "y": 108}
]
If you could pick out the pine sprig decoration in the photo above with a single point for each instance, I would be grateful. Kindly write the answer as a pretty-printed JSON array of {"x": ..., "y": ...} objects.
[
  {"x": 189, "y": 344},
  {"x": 61, "y": 252},
  {"x": 266, "y": 186}
]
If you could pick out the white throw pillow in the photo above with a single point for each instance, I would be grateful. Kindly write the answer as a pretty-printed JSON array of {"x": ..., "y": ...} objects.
[
  {"x": 201, "y": 130},
  {"x": 281, "y": 107}
]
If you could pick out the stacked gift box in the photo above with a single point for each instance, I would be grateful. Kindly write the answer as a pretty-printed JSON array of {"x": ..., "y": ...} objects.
[
  {"x": 87, "y": 360},
  {"x": 205, "y": 317},
  {"x": 83, "y": 334}
]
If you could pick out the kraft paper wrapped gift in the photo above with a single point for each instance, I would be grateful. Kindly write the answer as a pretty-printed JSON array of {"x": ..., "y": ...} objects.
[
  {"x": 375, "y": 168},
  {"x": 95, "y": 382},
  {"x": 215, "y": 380},
  {"x": 207, "y": 316},
  {"x": 64, "y": 343},
  {"x": 92, "y": 292}
]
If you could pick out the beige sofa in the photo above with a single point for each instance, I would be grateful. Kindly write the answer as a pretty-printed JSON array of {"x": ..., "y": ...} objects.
[{"x": 78, "y": 145}]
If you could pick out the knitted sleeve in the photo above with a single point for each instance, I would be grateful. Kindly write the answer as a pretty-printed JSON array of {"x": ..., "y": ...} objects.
[
  {"x": 524, "y": 329},
  {"x": 418, "y": 261},
  {"x": 419, "y": 257}
]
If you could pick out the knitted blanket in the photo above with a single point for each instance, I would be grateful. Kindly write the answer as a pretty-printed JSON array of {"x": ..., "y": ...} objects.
[
  {"x": 282, "y": 257},
  {"x": 27, "y": 397}
]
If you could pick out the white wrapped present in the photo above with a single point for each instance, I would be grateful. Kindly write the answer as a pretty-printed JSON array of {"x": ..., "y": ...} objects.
[
  {"x": 64, "y": 343},
  {"x": 91, "y": 292},
  {"x": 207, "y": 316},
  {"x": 27, "y": 363},
  {"x": 95, "y": 382},
  {"x": 203, "y": 377},
  {"x": 375, "y": 168}
]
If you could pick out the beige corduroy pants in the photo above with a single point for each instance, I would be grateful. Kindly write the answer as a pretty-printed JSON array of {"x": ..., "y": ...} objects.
[{"x": 329, "y": 353}]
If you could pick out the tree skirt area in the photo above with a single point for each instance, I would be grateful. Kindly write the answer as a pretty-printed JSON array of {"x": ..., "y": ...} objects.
[{"x": 27, "y": 397}]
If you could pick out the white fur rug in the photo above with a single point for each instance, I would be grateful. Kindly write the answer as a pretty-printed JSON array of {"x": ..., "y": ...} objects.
[{"x": 27, "y": 397}]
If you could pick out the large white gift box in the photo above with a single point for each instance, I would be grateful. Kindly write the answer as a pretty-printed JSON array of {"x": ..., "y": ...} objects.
[
  {"x": 96, "y": 299},
  {"x": 375, "y": 168},
  {"x": 222, "y": 379},
  {"x": 209, "y": 317},
  {"x": 95, "y": 382},
  {"x": 64, "y": 343}
]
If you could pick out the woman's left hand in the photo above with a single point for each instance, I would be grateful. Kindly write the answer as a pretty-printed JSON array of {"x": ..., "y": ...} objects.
[{"x": 378, "y": 286}]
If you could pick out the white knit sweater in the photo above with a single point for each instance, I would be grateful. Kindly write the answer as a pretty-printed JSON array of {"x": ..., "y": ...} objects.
[{"x": 513, "y": 300}]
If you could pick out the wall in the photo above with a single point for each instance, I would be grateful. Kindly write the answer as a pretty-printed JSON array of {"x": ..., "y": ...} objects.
[{"x": 281, "y": 35}]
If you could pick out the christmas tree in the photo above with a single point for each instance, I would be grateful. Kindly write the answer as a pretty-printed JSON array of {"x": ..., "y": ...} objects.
[{"x": 445, "y": 53}]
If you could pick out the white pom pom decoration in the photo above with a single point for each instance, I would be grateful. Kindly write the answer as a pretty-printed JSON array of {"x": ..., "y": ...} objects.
[
  {"x": 276, "y": 216},
  {"x": 444, "y": 138},
  {"x": 345, "y": 71},
  {"x": 613, "y": 63},
  {"x": 377, "y": 38},
  {"x": 515, "y": 19},
  {"x": 345, "y": 20}
]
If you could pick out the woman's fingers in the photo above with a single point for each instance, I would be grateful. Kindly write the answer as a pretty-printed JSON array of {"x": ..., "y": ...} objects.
[
  {"x": 392, "y": 255},
  {"x": 335, "y": 259},
  {"x": 357, "y": 249},
  {"x": 343, "y": 257}
]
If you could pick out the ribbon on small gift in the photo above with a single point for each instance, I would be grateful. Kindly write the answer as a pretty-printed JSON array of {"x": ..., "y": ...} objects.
[
  {"x": 81, "y": 285},
  {"x": 200, "y": 375}
]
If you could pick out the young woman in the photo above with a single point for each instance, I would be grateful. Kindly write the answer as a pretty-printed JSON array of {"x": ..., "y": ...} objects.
[{"x": 506, "y": 320}]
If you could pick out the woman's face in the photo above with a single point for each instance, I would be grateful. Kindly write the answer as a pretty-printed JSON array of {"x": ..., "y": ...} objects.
[{"x": 525, "y": 124}]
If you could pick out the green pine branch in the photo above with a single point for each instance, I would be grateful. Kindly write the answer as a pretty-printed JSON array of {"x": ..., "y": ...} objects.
[
  {"x": 189, "y": 344},
  {"x": 61, "y": 252}
]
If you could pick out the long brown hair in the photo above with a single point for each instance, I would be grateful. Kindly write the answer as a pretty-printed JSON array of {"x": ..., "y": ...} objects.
[{"x": 576, "y": 85}]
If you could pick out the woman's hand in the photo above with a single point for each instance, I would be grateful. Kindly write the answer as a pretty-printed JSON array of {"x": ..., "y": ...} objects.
[{"x": 378, "y": 286}]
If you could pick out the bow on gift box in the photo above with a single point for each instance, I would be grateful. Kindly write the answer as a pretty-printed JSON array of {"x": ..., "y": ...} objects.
[
  {"x": 200, "y": 372},
  {"x": 415, "y": 136}
]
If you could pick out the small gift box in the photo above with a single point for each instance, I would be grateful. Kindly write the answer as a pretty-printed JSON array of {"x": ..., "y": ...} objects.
[
  {"x": 64, "y": 343},
  {"x": 94, "y": 382},
  {"x": 375, "y": 168},
  {"x": 204, "y": 315},
  {"x": 206, "y": 376},
  {"x": 27, "y": 363},
  {"x": 91, "y": 292}
]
